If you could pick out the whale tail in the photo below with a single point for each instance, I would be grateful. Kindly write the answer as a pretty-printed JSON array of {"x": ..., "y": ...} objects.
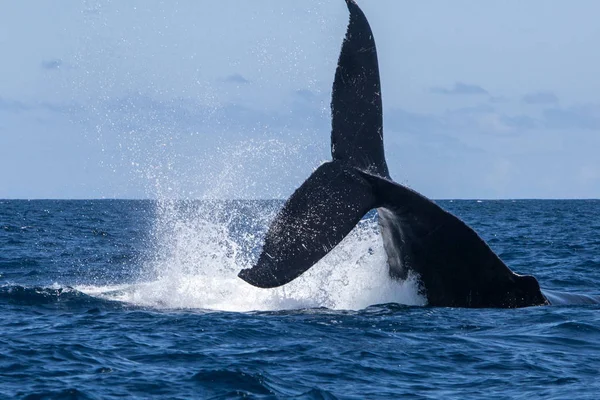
[
  {"x": 335, "y": 197},
  {"x": 456, "y": 267},
  {"x": 356, "y": 107}
]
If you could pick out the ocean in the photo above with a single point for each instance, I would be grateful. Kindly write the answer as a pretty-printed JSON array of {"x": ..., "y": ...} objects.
[{"x": 106, "y": 299}]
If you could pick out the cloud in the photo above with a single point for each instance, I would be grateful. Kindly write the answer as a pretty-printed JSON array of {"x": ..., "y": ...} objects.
[
  {"x": 13, "y": 105},
  {"x": 140, "y": 112},
  {"x": 482, "y": 118},
  {"x": 17, "y": 106},
  {"x": 519, "y": 122},
  {"x": 478, "y": 109},
  {"x": 236, "y": 78},
  {"x": 498, "y": 99},
  {"x": 52, "y": 64},
  {"x": 540, "y": 98},
  {"x": 586, "y": 117},
  {"x": 401, "y": 120},
  {"x": 460, "y": 88}
]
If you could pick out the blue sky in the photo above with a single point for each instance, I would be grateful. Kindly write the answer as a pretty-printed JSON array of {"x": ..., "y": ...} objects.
[{"x": 229, "y": 98}]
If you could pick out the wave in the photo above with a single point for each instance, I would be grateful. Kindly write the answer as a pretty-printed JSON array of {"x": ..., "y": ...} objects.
[
  {"x": 66, "y": 394},
  {"x": 236, "y": 383},
  {"x": 55, "y": 295},
  {"x": 241, "y": 382}
]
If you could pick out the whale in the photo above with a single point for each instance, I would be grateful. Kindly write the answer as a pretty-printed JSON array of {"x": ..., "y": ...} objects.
[{"x": 454, "y": 265}]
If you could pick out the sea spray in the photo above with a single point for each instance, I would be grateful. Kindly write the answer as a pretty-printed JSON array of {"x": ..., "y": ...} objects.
[{"x": 202, "y": 245}]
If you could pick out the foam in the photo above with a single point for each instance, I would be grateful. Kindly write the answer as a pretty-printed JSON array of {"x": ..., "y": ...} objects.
[{"x": 199, "y": 252}]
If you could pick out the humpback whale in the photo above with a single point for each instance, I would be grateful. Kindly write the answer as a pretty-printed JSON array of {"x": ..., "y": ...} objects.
[{"x": 456, "y": 268}]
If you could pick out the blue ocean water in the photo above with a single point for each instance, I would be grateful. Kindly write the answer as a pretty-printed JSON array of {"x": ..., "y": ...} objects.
[{"x": 137, "y": 299}]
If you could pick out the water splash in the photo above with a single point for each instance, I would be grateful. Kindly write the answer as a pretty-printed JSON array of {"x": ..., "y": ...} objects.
[{"x": 201, "y": 246}]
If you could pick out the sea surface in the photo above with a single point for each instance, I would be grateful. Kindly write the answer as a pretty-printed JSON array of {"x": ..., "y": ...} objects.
[{"x": 110, "y": 299}]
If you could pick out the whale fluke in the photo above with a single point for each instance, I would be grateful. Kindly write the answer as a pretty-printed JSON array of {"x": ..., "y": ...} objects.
[
  {"x": 313, "y": 221},
  {"x": 356, "y": 110},
  {"x": 455, "y": 266}
]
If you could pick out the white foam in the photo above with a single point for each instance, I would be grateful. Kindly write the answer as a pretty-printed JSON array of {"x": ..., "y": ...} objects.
[{"x": 198, "y": 259}]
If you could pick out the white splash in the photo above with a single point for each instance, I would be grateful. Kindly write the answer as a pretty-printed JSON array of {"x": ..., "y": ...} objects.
[{"x": 198, "y": 259}]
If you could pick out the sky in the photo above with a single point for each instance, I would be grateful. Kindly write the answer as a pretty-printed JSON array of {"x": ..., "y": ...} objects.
[{"x": 230, "y": 98}]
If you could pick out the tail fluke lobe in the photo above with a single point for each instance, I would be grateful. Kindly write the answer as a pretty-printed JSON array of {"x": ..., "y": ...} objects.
[
  {"x": 315, "y": 219},
  {"x": 455, "y": 266},
  {"x": 335, "y": 197},
  {"x": 356, "y": 109}
]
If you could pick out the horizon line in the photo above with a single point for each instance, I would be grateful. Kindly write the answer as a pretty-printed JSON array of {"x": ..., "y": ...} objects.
[{"x": 284, "y": 199}]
